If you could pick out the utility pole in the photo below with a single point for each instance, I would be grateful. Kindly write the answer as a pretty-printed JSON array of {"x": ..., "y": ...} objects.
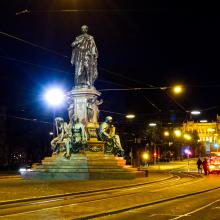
[
  {"x": 155, "y": 153},
  {"x": 131, "y": 155}
]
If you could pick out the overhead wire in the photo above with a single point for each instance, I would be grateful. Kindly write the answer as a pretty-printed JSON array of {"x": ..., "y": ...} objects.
[
  {"x": 26, "y": 119},
  {"x": 12, "y": 59},
  {"x": 156, "y": 107},
  {"x": 26, "y": 10},
  {"x": 104, "y": 69},
  {"x": 65, "y": 56},
  {"x": 32, "y": 44}
]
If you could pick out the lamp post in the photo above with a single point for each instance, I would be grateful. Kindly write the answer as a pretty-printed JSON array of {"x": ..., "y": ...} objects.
[
  {"x": 145, "y": 157},
  {"x": 166, "y": 134},
  {"x": 54, "y": 97},
  {"x": 188, "y": 153},
  {"x": 153, "y": 125},
  {"x": 130, "y": 117},
  {"x": 177, "y": 135}
]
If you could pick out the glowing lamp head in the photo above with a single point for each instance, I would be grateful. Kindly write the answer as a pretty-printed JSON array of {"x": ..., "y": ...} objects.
[
  {"x": 152, "y": 124},
  {"x": 195, "y": 112},
  {"x": 177, "y": 89},
  {"x": 130, "y": 116},
  {"x": 54, "y": 96},
  {"x": 177, "y": 133},
  {"x": 145, "y": 156},
  {"x": 166, "y": 133},
  {"x": 203, "y": 121},
  {"x": 187, "y": 137}
]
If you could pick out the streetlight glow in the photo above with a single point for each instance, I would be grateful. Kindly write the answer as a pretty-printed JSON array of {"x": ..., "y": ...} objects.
[
  {"x": 203, "y": 121},
  {"x": 177, "y": 89},
  {"x": 177, "y": 133},
  {"x": 187, "y": 137},
  {"x": 130, "y": 116},
  {"x": 195, "y": 112},
  {"x": 152, "y": 124},
  {"x": 166, "y": 133},
  {"x": 145, "y": 156},
  {"x": 54, "y": 96},
  {"x": 188, "y": 152}
]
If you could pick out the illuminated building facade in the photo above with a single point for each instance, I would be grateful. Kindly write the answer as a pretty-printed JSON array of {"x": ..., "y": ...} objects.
[{"x": 208, "y": 132}]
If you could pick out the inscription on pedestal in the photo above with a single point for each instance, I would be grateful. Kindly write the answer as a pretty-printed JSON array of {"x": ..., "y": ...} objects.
[{"x": 95, "y": 146}]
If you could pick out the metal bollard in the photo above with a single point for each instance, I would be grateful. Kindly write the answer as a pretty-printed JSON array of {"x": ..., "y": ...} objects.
[{"x": 146, "y": 173}]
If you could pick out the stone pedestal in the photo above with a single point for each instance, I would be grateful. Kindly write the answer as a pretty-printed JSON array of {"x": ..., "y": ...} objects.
[
  {"x": 83, "y": 102},
  {"x": 92, "y": 164}
]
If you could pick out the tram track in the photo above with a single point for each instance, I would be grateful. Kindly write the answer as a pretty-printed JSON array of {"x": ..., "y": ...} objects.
[
  {"x": 8, "y": 208},
  {"x": 24, "y": 200},
  {"x": 144, "y": 205}
]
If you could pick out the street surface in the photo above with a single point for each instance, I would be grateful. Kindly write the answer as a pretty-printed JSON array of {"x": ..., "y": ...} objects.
[{"x": 161, "y": 195}]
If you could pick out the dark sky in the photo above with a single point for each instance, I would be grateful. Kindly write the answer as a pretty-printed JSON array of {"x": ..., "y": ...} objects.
[{"x": 140, "y": 43}]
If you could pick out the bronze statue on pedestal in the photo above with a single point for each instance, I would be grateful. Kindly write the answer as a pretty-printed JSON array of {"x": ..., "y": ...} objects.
[{"x": 84, "y": 57}]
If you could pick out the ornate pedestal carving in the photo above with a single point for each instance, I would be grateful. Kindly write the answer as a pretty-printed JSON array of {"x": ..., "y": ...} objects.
[{"x": 84, "y": 103}]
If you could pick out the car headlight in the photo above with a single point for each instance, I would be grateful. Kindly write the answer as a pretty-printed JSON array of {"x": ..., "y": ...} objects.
[
  {"x": 22, "y": 169},
  {"x": 211, "y": 167}
]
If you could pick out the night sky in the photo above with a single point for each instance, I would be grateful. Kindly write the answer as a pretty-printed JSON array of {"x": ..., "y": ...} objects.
[{"x": 141, "y": 44}]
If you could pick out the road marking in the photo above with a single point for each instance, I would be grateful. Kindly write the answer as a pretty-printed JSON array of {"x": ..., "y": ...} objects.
[
  {"x": 184, "y": 183},
  {"x": 42, "y": 202},
  {"x": 39, "y": 210},
  {"x": 196, "y": 210},
  {"x": 152, "y": 215},
  {"x": 218, "y": 207}
]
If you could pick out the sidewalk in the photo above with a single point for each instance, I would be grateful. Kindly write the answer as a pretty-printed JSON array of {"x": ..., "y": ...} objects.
[{"x": 184, "y": 165}]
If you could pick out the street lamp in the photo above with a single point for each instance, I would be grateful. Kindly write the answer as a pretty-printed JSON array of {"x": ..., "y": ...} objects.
[
  {"x": 203, "y": 121},
  {"x": 130, "y": 116},
  {"x": 145, "y": 157},
  {"x": 152, "y": 124},
  {"x": 54, "y": 97},
  {"x": 187, "y": 137},
  {"x": 177, "y": 133},
  {"x": 177, "y": 89},
  {"x": 188, "y": 153},
  {"x": 166, "y": 133},
  {"x": 195, "y": 112}
]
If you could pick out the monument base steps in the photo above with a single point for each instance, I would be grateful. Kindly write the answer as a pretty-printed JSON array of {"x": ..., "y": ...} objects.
[{"x": 88, "y": 166}]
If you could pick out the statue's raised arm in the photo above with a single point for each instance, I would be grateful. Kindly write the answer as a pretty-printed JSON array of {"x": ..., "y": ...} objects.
[{"x": 84, "y": 58}]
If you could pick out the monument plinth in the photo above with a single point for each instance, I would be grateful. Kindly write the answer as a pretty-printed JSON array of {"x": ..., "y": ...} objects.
[
  {"x": 83, "y": 102},
  {"x": 83, "y": 149}
]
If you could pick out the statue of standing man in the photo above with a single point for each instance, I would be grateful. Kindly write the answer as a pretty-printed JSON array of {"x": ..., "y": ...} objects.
[{"x": 84, "y": 57}]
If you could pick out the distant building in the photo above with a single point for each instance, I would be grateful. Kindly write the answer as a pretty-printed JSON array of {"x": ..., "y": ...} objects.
[{"x": 208, "y": 132}]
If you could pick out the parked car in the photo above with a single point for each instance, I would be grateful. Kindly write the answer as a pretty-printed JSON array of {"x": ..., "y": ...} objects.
[{"x": 214, "y": 165}]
